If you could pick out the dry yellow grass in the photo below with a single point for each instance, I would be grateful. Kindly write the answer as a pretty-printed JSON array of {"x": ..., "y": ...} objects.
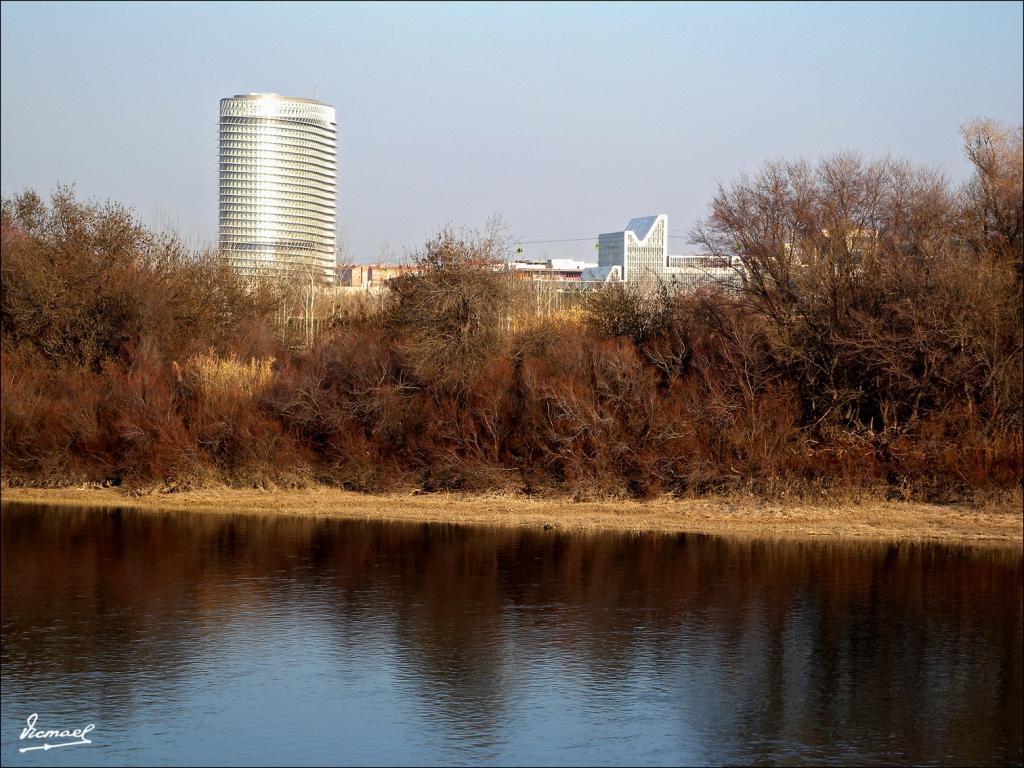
[
  {"x": 214, "y": 375},
  {"x": 1001, "y": 525}
]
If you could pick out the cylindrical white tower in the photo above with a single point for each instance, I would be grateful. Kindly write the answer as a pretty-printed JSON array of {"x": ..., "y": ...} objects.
[{"x": 278, "y": 182}]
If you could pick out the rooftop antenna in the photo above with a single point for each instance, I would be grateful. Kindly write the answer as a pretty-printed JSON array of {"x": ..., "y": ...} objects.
[{"x": 316, "y": 92}]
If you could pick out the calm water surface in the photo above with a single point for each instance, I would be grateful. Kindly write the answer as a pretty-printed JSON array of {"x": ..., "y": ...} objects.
[{"x": 192, "y": 639}]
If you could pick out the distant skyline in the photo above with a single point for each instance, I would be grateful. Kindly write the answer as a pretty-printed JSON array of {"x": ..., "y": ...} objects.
[{"x": 565, "y": 119}]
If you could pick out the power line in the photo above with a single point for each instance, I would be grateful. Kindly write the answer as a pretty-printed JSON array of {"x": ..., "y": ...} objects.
[
  {"x": 562, "y": 240},
  {"x": 582, "y": 239},
  {"x": 559, "y": 234}
]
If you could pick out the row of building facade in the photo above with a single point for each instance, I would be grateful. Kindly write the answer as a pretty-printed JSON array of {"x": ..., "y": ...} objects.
[{"x": 278, "y": 209}]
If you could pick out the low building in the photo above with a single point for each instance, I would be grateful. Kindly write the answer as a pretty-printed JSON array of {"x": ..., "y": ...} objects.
[
  {"x": 566, "y": 270},
  {"x": 371, "y": 275}
]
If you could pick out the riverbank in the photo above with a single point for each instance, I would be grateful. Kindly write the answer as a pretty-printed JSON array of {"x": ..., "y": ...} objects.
[{"x": 993, "y": 525}]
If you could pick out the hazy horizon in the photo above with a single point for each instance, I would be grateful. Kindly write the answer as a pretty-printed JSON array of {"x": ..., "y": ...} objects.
[{"x": 565, "y": 119}]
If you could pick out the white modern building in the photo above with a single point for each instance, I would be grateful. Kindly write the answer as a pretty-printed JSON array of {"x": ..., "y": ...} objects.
[
  {"x": 278, "y": 184},
  {"x": 639, "y": 254}
]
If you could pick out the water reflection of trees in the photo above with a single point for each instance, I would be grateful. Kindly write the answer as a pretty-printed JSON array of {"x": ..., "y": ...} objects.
[{"x": 894, "y": 651}]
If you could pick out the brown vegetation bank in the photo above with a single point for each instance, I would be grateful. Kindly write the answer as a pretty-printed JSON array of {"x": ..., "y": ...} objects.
[
  {"x": 869, "y": 346},
  {"x": 995, "y": 524}
]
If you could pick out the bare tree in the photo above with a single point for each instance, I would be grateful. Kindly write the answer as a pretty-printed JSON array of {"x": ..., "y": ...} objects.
[
  {"x": 870, "y": 301},
  {"x": 994, "y": 198},
  {"x": 449, "y": 312}
]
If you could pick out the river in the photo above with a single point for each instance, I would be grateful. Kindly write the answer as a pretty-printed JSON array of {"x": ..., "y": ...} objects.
[{"x": 227, "y": 639}]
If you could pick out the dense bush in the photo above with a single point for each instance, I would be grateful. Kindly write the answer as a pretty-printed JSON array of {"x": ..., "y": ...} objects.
[{"x": 875, "y": 346}]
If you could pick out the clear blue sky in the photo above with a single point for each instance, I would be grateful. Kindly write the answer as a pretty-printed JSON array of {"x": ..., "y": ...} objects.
[{"x": 567, "y": 119}]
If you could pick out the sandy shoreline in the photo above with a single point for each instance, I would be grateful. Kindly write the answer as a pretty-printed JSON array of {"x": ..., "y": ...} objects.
[{"x": 897, "y": 521}]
